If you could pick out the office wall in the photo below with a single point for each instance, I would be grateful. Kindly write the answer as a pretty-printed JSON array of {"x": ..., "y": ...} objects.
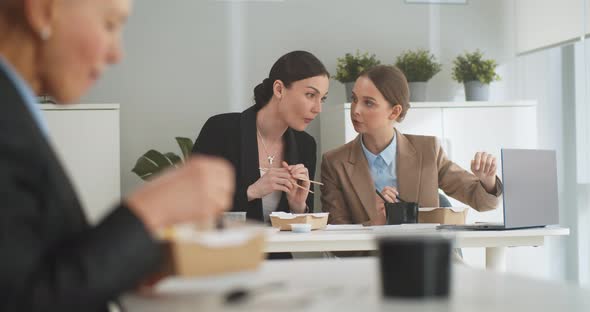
[
  {"x": 331, "y": 28},
  {"x": 540, "y": 77},
  {"x": 386, "y": 28},
  {"x": 545, "y": 23},
  {"x": 175, "y": 74},
  {"x": 187, "y": 60}
]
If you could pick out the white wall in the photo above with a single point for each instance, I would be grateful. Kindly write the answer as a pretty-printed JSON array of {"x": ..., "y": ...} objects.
[
  {"x": 539, "y": 77},
  {"x": 383, "y": 27},
  {"x": 187, "y": 60},
  {"x": 582, "y": 100},
  {"x": 545, "y": 23},
  {"x": 174, "y": 76},
  {"x": 559, "y": 79}
]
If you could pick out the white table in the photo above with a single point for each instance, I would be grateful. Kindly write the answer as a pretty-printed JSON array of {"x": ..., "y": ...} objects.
[
  {"x": 494, "y": 242},
  {"x": 354, "y": 285}
]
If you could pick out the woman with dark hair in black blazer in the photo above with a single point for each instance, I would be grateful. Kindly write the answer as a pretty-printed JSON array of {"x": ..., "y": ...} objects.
[{"x": 273, "y": 157}]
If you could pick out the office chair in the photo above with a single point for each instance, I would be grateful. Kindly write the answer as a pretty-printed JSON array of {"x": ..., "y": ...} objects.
[{"x": 443, "y": 201}]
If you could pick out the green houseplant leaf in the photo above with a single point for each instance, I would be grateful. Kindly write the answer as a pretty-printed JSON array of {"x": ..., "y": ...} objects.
[
  {"x": 186, "y": 146},
  {"x": 174, "y": 158},
  {"x": 152, "y": 162},
  {"x": 350, "y": 66},
  {"x": 472, "y": 67},
  {"x": 418, "y": 65}
]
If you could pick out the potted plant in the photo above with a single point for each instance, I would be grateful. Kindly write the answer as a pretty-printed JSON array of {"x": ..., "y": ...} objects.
[
  {"x": 350, "y": 67},
  {"x": 419, "y": 66},
  {"x": 476, "y": 74},
  {"x": 152, "y": 162}
]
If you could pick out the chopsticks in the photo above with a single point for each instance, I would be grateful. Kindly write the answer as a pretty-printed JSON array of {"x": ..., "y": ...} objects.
[
  {"x": 310, "y": 181},
  {"x": 301, "y": 187},
  {"x": 297, "y": 185}
]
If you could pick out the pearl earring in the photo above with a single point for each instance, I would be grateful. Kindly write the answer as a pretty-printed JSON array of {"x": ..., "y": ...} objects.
[{"x": 45, "y": 33}]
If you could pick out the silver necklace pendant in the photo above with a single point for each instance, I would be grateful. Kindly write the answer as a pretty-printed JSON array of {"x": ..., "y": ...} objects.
[{"x": 270, "y": 159}]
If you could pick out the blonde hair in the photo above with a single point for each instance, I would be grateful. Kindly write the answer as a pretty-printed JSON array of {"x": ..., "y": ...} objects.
[{"x": 392, "y": 84}]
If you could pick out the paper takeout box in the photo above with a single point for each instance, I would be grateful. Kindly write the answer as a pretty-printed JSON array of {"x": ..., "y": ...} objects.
[
  {"x": 283, "y": 220},
  {"x": 193, "y": 253},
  {"x": 443, "y": 215}
]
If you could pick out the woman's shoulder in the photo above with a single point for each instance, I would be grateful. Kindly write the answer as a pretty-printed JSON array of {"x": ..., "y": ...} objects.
[
  {"x": 223, "y": 118},
  {"x": 341, "y": 152},
  {"x": 222, "y": 123},
  {"x": 232, "y": 120},
  {"x": 304, "y": 137},
  {"x": 422, "y": 142},
  {"x": 420, "y": 138}
]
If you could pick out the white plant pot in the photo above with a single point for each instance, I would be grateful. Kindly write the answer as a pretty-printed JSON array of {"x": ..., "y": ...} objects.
[
  {"x": 348, "y": 87},
  {"x": 418, "y": 91},
  {"x": 476, "y": 91}
]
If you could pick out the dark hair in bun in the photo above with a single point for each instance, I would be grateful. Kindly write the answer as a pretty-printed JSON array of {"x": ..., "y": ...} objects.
[{"x": 291, "y": 67}]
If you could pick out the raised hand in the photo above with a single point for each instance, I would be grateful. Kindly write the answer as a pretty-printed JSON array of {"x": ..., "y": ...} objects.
[
  {"x": 298, "y": 195},
  {"x": 274, "y": 179},
  {"x": 201, "y": 189},
  {"x": 483, "y": 166}
]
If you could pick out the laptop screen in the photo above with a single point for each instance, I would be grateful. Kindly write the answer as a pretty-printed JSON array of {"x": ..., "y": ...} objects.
[{"x": 530, "y": 188}]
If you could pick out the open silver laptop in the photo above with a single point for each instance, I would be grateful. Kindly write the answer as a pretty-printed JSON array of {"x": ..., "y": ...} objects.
[{"x": 530, "y": 191}]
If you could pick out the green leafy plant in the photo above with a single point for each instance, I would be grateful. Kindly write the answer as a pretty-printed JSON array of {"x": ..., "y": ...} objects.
[
  {"x": 350, "y": 66},
  {"x": 152, "y": 162},
  {"x": 418, "y": 66},
  {"x": 472, "y": 67}
]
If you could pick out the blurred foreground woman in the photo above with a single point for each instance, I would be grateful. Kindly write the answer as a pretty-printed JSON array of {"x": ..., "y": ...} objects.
[{"x": 50, "y": 258}]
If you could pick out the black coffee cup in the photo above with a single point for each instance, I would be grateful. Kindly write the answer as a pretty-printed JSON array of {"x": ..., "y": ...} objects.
[
  {"x": 401, "y": 212},
  {"x": 415, "y": 267}
]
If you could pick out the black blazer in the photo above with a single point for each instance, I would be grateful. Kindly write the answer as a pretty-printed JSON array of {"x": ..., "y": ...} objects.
[
  {"x": 50, "y": 258},
  {"x": 233, "y": 137}
]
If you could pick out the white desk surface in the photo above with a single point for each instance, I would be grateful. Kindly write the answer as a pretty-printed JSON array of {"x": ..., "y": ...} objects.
[
  {"x": 353, "y": 285},
  {"x": 349, "y": 240}
]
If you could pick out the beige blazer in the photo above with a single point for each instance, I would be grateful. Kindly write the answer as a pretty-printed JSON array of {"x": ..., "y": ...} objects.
[{"x": 348, "y": 193}]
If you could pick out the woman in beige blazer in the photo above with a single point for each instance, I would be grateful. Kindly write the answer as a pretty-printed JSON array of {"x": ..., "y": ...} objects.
[{"x": 411, "y": 167}]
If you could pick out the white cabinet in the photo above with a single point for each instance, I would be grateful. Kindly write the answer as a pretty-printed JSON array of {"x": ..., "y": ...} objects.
[
  {"x": 463, "y": 127},
  {"x": 86, "y": 139},
  {"x": 425, "y": 121}
]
